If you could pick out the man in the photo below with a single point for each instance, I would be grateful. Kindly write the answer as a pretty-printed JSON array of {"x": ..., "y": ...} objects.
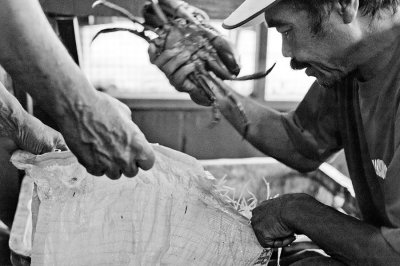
[
  {"x": 97, "y": 128},
  {"x": 352, "y": 47}
]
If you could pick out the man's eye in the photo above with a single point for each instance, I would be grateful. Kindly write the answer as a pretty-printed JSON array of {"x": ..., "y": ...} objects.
[
  {"x": 284, "y": 31},
  {"x": 285, "y": 34}
]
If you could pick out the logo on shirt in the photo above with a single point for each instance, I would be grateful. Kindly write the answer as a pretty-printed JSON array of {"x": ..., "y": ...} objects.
[{"x": 380, "y": 168}]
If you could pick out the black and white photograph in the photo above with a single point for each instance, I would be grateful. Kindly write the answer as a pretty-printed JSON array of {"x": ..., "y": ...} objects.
[{"x": 200, "y": 132}]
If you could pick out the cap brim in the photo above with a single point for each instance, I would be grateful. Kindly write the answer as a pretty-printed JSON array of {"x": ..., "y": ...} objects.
[{"x": 249, "y": 13}]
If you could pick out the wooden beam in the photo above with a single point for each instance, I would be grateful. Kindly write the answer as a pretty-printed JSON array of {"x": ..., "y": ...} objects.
[
  {"x": 215, "y": 9},
  {"x": 261, "y": 62}
]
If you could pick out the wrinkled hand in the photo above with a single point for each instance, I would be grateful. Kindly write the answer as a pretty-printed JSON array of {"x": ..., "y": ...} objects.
[
  {"x": 174, "y": 63},
  {"x": 104, "y": 138},
  {"x": 269, "y": 226},
  {"x": 34, "y": 136}
]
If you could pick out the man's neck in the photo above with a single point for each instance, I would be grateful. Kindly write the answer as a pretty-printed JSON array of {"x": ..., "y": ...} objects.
[{"x": 377, "y": 48}]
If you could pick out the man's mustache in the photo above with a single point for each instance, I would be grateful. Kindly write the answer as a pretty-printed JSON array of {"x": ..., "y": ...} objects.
[{"x": 296, "y": 65}]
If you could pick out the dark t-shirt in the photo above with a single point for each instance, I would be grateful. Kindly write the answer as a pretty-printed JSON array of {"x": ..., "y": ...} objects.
[{"x": 364, "y": 119}]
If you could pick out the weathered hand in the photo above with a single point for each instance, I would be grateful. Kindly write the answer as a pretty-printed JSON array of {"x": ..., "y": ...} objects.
[
  {"x": 98, "y": 130},
  {"x": 189, "y": 49},
  {"x": 268, "y": 225},
  {"x": 19, "y": 130},
  {"x": 104, "y": 138},
  {"x": 34, "y": 136}
]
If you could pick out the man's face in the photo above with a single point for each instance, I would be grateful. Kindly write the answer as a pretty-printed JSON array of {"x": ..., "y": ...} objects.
[{"x": 325, "y": 55}]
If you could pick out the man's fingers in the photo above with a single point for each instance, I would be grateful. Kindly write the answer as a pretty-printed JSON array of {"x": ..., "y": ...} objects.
[
  {"x": 143, "y": 159},
  {"x": 113, "y": 172},
  {"x": 283, "y": 242},
  {"x": 60, "y": 143},
  {"x": 143, "y": 153},
  {"x": 142, "y": 156},
  {"x": 266, "y": 242},
  {"x": 97, "y": 171},
  {"x": 131, "y": 171},
  {"x": 147, "y": 161},
  {"x": 61, "y": 146},
  {"x": 298, "y": 246},
  {"x": 257, "y": 214}
]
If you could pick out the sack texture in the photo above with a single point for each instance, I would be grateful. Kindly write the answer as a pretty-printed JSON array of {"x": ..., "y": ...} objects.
[{"x": 170, "y": 215}]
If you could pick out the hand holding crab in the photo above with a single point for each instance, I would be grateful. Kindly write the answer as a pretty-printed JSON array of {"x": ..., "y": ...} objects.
[{"x": 187, "y": 49}]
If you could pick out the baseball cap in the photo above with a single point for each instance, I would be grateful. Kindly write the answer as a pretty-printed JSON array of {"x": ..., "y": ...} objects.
[{"x": 249, "y": 13}]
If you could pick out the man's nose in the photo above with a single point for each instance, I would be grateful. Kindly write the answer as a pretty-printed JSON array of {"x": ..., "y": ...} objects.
[{"x": 286, "y": 51}]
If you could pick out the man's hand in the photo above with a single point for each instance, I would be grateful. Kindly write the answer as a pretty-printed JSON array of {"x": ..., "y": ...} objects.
[
  {"x": 104, "y": 138},
  {"x": 20, "y": 130},
  {"x": 268, "y": 224},
  {"x": 34, "y": 136},
  {"x": 97, "y": 129},
  {"x": 186, "y": 50}
]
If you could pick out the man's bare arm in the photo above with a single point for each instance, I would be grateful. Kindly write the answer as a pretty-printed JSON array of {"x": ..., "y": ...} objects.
[
  {"x": 98, "y": 129},
  {"x": 345, "y": 238},
  {"x": 266, "y": 130}
]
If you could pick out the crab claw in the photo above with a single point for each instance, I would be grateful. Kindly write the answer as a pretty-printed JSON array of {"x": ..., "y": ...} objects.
[
  {"x": 116, "y": 8},
  {"x": 224, "y": 50}
]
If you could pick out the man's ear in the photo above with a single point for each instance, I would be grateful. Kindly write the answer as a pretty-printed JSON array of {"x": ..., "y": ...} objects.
[{"x": 348, "y": 9}]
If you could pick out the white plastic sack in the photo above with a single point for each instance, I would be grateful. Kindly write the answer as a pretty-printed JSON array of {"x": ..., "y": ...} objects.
[{"x": 167, "y": 215}]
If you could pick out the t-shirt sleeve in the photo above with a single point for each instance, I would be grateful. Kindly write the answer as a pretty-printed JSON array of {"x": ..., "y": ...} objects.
[{"x": 313, "y": 126}]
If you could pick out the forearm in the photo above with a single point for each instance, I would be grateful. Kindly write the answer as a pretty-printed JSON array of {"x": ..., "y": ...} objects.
[
  {"x": 343, "y": 237},
  {"x": 36, "y": 59},
  {"x": 265, "y": 130}
]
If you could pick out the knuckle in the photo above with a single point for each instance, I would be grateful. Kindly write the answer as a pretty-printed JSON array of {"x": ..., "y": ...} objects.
[
  {"x": 95, "y": 171},
  {"x": 131, "y": 170},
  {"x": 264, "y": 243},
  {"x": 113, "y": 174},
  {"x": 145, "y": 159},
  {"x": 94, "y": 166}
]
